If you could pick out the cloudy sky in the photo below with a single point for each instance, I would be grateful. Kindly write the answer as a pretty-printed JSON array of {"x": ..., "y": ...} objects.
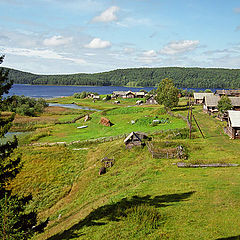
[{"x": 70, "y": 36}]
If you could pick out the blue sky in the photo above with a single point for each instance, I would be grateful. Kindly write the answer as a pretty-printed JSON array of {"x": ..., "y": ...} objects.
[{"x": 60, "y": 36}]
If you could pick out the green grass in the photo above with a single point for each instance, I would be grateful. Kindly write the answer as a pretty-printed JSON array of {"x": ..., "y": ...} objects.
[
  {"x": 139, "y": 197},
  {"x": 121, "y": 119}
]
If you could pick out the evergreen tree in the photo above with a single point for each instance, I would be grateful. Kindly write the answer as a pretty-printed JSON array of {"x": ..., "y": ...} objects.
[
  {"x": 167, "y": 94},
  {"x": 14, "y": 222}
]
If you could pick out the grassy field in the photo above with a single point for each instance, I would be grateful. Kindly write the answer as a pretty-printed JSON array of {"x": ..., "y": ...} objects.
[
  {"x": 121, "y": 119},
  {"x": 139, "y": 197}
]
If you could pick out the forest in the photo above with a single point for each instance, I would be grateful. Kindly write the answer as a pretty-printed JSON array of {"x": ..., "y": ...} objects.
[{"x": 134, "y": 77}]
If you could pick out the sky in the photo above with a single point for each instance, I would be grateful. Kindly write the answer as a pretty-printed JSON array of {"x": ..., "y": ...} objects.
[{"x": 88, "y": 36}]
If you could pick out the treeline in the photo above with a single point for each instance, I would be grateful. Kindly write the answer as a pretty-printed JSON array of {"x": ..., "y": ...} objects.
[{"x": 145, "y": 77}]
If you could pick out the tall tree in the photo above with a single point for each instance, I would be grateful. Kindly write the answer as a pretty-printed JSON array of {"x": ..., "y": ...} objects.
[
  {"x": 14, "y": 222},
  {"x": 167, "y": 94},
  {"x": 224, "y": 104}
]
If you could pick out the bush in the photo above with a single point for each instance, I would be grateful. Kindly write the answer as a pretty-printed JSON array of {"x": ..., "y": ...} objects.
[{"x": 24, "y": 105}]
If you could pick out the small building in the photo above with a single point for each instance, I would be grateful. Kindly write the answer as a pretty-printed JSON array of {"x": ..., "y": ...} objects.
[
  {"x": 235, "y": 103},
  {"x": 151, "y": 100},
  {"x": 210, "y": 103},
  {"x": 135, "y": 139},
  {"x": 199, "y": 97},
  {"x": 139, "y": 94},
  {"x": 228, "y": 92},
  {"x": 129, "y": 94},
  {"x": 233, "y": 124},
  {"x": 139, "y": 102},
  {"x": 117, "y": 94}
]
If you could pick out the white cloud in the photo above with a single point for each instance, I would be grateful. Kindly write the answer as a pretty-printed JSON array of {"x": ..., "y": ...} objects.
[
  {"x": 108, "y": 15},
  {"x": 45, "y": 54},
  {"x": 98, "y": 43},
  {"x": 128, "y": 50},
  {"x": 175, "y": 47},
  {"x": 150, "y": 53},
  {"x": 57, "y": 41}
]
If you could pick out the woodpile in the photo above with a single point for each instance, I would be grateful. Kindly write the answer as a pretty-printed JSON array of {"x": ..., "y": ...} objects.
[{"x": 106, "y": 122}]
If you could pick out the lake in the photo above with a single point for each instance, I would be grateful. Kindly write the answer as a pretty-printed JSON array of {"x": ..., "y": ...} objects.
[{"x": 46, "y": 91}]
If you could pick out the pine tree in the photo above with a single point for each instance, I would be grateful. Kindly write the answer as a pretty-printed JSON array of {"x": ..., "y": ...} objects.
[{"x": 14, "y": 222}]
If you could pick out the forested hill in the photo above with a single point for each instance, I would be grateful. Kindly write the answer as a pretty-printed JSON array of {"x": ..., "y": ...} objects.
[{"x": 182, "y": 77}]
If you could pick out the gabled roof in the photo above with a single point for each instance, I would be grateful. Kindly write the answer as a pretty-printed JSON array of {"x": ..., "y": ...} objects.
[
  {"x": 235, "y": 101},
  {"x": 212, "y": 101},
  {"x": 228, "y": 91},
  {"x": 234, "y": 117},
  {"x": 132, "y": 135},
  {"x": 200, "y": 96}
]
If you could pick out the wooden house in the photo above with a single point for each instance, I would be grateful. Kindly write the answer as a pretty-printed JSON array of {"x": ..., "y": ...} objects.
[
  {"x": 233, "y": 124},
  {"x": 151, "y": 100},
  {"x": 210, "y": 103},
  {"x": 135, "y": 139},
  {"x": 129, "y": 94},
  {"x": 235, "y": 103},
  {"x": 228, "y": 92},
  {"x": 199, "y": 97},
  {"x": 139, "y": 94}
]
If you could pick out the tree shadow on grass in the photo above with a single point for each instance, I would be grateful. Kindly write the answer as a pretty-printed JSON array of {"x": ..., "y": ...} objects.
[
  {"x": 113, "y": 212},
  {"x": 230, "y": 238}
]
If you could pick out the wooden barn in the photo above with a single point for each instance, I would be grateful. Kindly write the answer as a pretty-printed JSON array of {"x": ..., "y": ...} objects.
[
  {"x": 135, "y": 139},
  {"x": 233, "y": 125},
  {"x": 210, "y": 103},
  {"x": 151, "y": 100},
  {"x": 228, "y": 92},
  {"x": 199, "y": 97}
]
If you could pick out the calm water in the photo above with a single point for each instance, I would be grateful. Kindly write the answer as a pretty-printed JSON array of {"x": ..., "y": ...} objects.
[
  {"x": 45, "y": 91},
  {"x": 74, "y": 106}
]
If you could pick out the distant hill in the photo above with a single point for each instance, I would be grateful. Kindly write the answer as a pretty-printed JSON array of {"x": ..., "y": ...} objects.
[{"x": 182, "y": 77}]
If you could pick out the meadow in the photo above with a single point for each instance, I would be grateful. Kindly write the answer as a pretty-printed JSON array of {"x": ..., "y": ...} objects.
[{"x": 139, "y": 197}]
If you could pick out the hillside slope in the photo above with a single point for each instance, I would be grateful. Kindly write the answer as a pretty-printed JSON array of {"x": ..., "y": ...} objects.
[{"x": 183, "y": 77}]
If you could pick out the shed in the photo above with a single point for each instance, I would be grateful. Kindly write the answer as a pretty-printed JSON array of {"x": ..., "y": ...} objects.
[
  {"x": 199, "y": 97},
  {"x": 151, "y": 100},
  {"x": 135, "y": 139},
  {"x": 233, "y": 124},
  {"x": 139, "y": 102}
]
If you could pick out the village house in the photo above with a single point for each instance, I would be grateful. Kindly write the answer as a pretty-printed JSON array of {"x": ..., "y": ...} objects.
[
  {"x": 151, "y": 100},
  {"x": 230, "y": 92},
  {"x": 139, "y": 94},
  {"x": 210, "y": 103},
  {"x": 233, "y": 124},
  {"x": 127, "y": 94},
  {"x": 198, "y": 97}
]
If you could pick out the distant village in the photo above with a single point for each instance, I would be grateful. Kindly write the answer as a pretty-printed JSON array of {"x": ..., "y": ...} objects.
[{"x": 209, "y": 101}]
